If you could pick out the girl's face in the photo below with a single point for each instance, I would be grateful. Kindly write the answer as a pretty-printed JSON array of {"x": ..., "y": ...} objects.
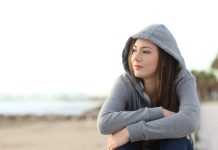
[{"x": 144, "y": 59}]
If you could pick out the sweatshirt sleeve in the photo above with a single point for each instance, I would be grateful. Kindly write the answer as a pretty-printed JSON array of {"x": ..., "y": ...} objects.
[
  {"x": 113, "y": 117},
  {"x": 178, "y": 125}
]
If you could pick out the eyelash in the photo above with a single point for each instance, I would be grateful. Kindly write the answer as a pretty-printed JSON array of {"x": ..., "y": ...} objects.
[
  {"x": 133, "y": 50},
  {"x": 145, "y": 52}
]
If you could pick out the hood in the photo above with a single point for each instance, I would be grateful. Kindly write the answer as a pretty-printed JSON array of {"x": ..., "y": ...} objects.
[{"x": 160, "y": 36}]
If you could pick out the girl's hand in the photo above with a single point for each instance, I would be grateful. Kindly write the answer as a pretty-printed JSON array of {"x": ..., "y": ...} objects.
[
  {"x": 118, "y": 139},
  {"x": 167, "y": 112}
]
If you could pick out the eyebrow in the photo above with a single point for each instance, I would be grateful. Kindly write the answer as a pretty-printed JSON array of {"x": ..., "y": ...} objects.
[{"x": 143, "y": 47}]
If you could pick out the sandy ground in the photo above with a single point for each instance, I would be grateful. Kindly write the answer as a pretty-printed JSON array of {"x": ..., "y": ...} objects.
[
  {"x": 51, "y": 135},
  {"x": 81, "y": 133},
  {"x": 208, "y": 127}
]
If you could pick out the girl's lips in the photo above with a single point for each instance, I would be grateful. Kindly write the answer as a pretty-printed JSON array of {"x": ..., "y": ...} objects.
[{"x": 138, "y": 66}]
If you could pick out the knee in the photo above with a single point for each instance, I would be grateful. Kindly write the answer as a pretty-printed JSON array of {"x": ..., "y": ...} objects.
[
  {"x": 125, "y": 147},
  {"x": 131, "y": 146},
  {"x": 178, "y": 144}
]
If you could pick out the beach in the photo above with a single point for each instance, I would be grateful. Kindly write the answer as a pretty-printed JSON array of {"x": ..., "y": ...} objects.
[
  {"x": 80, "y": 132},
  {"x": 51, "y": 133},
  {"x": 208, "y": 137}
]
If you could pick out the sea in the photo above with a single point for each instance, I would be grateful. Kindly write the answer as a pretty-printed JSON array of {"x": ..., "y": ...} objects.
[{"x": 47, "y": 105}]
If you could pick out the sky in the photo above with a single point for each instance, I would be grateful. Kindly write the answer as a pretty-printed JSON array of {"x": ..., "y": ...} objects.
[{"x": 55, "y": 46}]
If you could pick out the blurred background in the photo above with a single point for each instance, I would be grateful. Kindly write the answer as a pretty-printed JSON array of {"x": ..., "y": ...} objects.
[{"x": 59, "y": 60}]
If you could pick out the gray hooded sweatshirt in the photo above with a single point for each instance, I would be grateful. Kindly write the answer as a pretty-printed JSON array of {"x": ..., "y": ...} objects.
[{"x": 129, "y": 106}]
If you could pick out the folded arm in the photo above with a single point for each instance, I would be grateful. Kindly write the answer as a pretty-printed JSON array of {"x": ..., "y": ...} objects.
[
  {"x": 178, "y": 125},
  {"x": 150, "y": 123},
  {"x": 113, "y": 117}
]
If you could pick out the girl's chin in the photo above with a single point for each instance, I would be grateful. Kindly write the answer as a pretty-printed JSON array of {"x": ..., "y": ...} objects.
[{"x": 138, "y": 75}]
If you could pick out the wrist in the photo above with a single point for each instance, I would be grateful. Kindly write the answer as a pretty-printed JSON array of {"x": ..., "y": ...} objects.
[
  {"x": 166, "y": 112},
  {"x": 127, "y": 133}
]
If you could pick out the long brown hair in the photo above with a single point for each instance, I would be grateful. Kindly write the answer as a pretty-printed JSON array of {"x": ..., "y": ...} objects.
[{"x": 168, "y": 69}]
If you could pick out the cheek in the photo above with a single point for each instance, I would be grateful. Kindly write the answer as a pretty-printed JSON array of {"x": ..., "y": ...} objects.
[
  {"x": 132, "y": 59},
  {"x": 152, "y": 63},
  {"x": 155, "y": 64}
]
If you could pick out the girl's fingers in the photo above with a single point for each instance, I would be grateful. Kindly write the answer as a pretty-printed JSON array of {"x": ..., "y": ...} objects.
[
  {"x": 112, "y": 147},
  {"x": 109, "y": 141}
]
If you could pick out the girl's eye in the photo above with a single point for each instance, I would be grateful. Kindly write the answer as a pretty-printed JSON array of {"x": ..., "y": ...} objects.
[
  {"x": 146, "y": 52},
  {"x": 133, "y": 50}
]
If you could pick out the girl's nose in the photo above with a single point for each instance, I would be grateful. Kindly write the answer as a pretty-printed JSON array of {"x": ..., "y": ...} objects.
[{"x": 138, "y": 56}]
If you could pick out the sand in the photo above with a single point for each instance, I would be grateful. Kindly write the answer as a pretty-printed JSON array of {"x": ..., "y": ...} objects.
[
  {"x": 68, "y": 133},
  {"x": 51, "y": 135}
]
